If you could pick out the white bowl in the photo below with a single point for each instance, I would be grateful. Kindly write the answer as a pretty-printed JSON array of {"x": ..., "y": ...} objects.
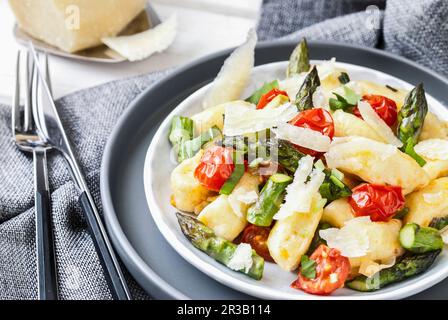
[{"x": 160, "y": 161}]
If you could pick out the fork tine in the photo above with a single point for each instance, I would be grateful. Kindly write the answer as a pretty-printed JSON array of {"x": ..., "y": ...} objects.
[
  {"x": 27, "y": 123},
  {"x": 47, "y": 73},
  {"x": 15, "y": 114},
  {"x": 35, "y": 95}
]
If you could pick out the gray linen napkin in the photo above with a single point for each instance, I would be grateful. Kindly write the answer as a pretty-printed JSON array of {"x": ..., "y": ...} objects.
[{"x": 415, "y": 29}]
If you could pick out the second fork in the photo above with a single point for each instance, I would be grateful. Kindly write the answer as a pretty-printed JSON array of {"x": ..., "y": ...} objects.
[{"x": 27, "y": 139}]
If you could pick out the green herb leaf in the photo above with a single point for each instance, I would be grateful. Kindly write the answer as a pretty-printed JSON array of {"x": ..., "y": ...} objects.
[
  {"x": 340, "y": 103},
  {"x": 333, "y": 188},
  {"x": 344, "y": 78},
  {"x": 308, "y": 267},
  {"x": 267, "y": 86}
]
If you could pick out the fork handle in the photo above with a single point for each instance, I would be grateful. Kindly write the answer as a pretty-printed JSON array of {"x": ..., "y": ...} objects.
[
  {"x": 46, "y": 262},
  {"x": 108, "y": 260}
]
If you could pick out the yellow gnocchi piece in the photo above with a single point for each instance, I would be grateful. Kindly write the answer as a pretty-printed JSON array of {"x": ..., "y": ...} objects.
[
  {"x": 290, "y": 237},
  {"x": 187, "y": 191},
  {"x": 376, "y": 162},
  {"x": 337, "y": 213},
  {"x": 213, "y": 116},
  {"x": 428, "y": 203},
  {"x": 368, "y": 87},
  {"x": 220, "y": 214},
  {"x": 384, "y": 242},
  {"x": 434, "y": 128}
]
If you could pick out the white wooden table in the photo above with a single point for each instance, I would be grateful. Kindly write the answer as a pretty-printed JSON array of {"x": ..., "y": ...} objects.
[{"x": 204, "y": 26}]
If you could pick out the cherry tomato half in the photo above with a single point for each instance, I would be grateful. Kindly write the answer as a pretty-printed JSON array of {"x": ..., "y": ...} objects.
[
  {"x": 384, "y": 107},
  {"x": 332, "y": 270},
  {"x": 317, "y": 119},
  {"x": 215, "y": 168},
  {"x": 268, "y": 97},
  {"x": 257, "y": 237},
  {"x": 377, "y": 201}
]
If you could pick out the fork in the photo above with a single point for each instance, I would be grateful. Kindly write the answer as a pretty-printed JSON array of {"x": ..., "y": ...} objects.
[{"x": 27, "y": 139}]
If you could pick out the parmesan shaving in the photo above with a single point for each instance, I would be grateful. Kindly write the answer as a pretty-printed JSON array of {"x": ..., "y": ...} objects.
[
  {"x": 242, "y": 258},
  {"x": 300, "y": 193},
  {"x": 326, "y": 68},
  {"x": 369, "y": 268},
  {"x": 352, "y": 239},
  {"x": 373, "y": 120},
  {"x": 304, "y": 137},
  {"x": 234, "y": 75},
  {"x": 141, "y": 45},
  {"x": 319, "y": 98},
  {"x": 433, "y": 149},
  {"x": 292, "y": 84},
  {"x": 243, "y": 119}
]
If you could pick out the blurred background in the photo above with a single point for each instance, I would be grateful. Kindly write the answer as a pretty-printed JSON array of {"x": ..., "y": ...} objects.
[{"x": 204, "y": 26}]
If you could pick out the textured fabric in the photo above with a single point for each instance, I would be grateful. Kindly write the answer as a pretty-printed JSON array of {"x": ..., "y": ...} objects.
[
  {"x": 415, "y": 29},
  {"x": 89, "y": 117},
  {"x": 281, "y": 17}
]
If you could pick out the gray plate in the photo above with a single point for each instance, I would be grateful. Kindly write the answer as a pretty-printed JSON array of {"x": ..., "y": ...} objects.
[{"x": 146, "y": 254}]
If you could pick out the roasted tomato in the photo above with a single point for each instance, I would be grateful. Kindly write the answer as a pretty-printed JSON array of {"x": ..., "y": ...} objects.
[
  {"x": 215, "y": 168},
  {"x": 377, "y": 201},
  {"x": 384, "y": 107},
  {"x": 332, "y": 270},
  {"x": 257, "y": 237},
  {"x": 315, "y": 119},
  {"x": 268, "y": 97}
]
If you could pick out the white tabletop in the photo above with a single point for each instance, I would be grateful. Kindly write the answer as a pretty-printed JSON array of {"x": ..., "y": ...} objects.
[{"x": 204, "y": 26}]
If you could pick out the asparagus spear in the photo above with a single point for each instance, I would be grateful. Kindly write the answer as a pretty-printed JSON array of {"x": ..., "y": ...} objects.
[
  {"x": 181, "y": 130},
  {"x": 205, "y": 239},
  {"x": 189, "y": 148},
  {"x": 288, "y": 156},
  {"x": 410, "y": 121},
  {"x": 439, "y": 223},
  {"x": 420, "y": 239},
  {"x": 299, "y": 61},
  {"x": 409, "y": 266},
  {"x": 304, "y": 98},
  {"x": 271, "y": 197}
]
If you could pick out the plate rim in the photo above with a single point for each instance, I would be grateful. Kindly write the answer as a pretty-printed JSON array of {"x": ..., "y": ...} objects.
[{"x": 133, "y": 261}]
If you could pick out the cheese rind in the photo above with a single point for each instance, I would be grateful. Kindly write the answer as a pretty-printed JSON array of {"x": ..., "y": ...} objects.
[{"x": 56, "y": 21}]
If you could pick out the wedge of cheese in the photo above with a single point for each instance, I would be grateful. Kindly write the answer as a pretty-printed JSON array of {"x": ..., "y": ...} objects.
[{"x": 73, "y": 25}]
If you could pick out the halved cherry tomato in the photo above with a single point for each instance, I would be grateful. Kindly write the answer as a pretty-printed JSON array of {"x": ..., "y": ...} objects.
[
  {"x": 215, "y": 168},
  {"x": 268, "y": 97},
  {"x": 317, "y": 119},
  {"x": 377, "y": 201},
  {"x": 257, "y": 237},
  {"x": 332, "y": 270},
  {"x": 383, "y": 106}
]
